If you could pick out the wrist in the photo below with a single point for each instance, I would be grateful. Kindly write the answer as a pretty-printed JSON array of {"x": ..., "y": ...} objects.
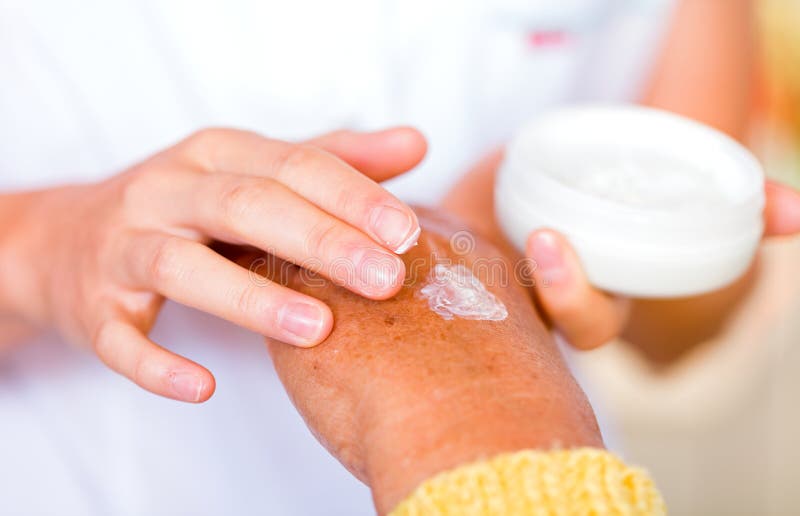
[
  {"x": 23, "y": 252},
  {"x": 405, "y": 442}
]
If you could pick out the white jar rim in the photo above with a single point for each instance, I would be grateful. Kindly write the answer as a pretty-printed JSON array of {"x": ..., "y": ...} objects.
[
  {"x": 641, "y": 233},
  {"x": 643, "y": 129}
]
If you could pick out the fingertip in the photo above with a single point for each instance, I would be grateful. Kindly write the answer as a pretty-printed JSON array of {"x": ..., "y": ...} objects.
[
  {"x": 193, "y": 384},
  {"x": 304, "y": 323},
  {"x": 558, "y": 284},
  {"x": 126, "y": 350},
  {"x": 385, "y": 281},
  {"x": 369, "y": 271},
  {"x": 380, "y": 154},
  {"x": 325, "y": 329},
  {"x": 410, "y": 139},
  {"x": 208, "y": 389},
  {"x": 400, "y": 149},
  {"x": 395, "y": 226},
  {"x": 782, "y": 210},
  {"x": 546, "y": 249}
]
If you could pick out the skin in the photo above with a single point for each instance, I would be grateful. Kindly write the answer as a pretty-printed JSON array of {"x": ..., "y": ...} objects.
[
  {"x": 397, "y": 393},
  {"x": 116, "y": 249},
  {"x": 705, "y": 69},
  {"x": 705, "y": 72},
  {"x": 587, "y": 317},
  {"x": 96, "y": 261},
  {"x": 394, "y": 404}
]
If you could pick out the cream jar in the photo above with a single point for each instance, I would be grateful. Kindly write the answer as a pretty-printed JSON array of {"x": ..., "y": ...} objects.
[{"x": 655, "y": 205}]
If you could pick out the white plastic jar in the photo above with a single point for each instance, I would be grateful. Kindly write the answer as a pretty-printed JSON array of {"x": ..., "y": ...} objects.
[{"x": 655, "y": 205}]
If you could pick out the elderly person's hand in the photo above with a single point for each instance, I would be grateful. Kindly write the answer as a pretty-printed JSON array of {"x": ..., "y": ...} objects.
[
  {"x": 399, "y": 393},
  {"x": 96, "y": 261}
]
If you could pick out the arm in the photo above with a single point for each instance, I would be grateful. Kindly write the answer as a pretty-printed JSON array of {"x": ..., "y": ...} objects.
[
  {"x": 398, "y": 393},
  {"x": 18, "y": 285},
  {"x": 706, "y": 67}
]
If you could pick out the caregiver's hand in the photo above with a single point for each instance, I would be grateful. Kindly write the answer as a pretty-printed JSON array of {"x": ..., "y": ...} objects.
[
  {"x": 588, "y": 317},
  {"x": 96, "y": 261}
]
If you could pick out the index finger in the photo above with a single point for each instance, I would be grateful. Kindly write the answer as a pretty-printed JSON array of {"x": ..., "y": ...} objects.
[{"x": 314, "y": 174}]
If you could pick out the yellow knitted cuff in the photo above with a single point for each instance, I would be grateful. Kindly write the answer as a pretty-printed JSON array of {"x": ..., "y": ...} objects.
[{"x": 583, "y": 481}]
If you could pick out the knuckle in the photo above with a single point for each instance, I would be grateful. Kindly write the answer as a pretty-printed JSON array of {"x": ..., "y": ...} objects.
[
  {"x": 604, "y": 337},
  {"x": 103, "y": 338},
  {"x": 137, "y": 188},
  {"x": 144, "y": 190},
  {"x": 165, "y": 264},
  {"x": 347, "y": 199},
  {"x": 571, "y": 300},
  {"x": 358, "y": 203},
  {"x": 234, "y": 200},
  {"x": 296, "y": 157},
  {"x": 591, "y": 340},
  {"x": 138, "y": 374},
  {"x": 323, "y": 238},
  {"x": 205, "y": 136},
  {"x": 239, "y": 200},
  {"x": 589, "y": 332},
  {"x": 201, "y": 146},
  {"x": 571, "y": 316},
  {"x": 247, "y": 300},
  {"x": 608, "y": 329},
  {"x": 573, "y": 308}
]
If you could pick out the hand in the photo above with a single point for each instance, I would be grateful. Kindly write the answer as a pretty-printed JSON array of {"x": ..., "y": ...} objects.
[
  {"x": 99, "y": 259},
  {"x": 588, "y": 317},
  {"x": 397, "y": 393}
]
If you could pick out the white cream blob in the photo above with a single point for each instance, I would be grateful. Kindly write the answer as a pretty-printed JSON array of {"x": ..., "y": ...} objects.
[{"x": 453, "y": 291}]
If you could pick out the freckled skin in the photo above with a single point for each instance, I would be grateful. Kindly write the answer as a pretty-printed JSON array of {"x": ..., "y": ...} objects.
[{"x": 397, "y": 393}]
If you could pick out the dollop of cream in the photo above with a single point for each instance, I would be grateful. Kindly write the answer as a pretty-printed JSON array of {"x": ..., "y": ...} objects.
[{"x": 453, "y": 291}]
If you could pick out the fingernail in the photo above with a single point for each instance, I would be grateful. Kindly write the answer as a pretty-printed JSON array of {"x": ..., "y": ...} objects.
[
  {"x": 303, "y": 320},
  {"x": 793, "y": 213},
  {"x": 394, "y": 228},
  {"x": 187, "y": 386},
  {"x": 378, "y": 272},
  {"x": 549, "y": 257}
]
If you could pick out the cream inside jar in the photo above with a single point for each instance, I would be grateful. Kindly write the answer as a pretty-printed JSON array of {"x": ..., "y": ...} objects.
[{"x": 656, "y": 205}]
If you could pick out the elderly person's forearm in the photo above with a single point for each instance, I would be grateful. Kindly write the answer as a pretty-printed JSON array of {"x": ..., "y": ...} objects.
[{"x": 399, "y": 392}]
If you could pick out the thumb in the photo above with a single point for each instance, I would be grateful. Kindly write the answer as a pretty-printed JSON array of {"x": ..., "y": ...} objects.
[
  {"x": 379, "y": 155},
  {"x": 585, "y": 316},
  {"x": 782, "y": 211}
]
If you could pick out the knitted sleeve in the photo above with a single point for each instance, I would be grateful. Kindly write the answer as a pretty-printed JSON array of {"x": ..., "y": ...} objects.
[{"x": 582, "y": 481}]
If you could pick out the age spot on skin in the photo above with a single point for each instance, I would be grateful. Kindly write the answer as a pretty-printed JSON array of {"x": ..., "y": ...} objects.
[{"x": 453, "y": 291}]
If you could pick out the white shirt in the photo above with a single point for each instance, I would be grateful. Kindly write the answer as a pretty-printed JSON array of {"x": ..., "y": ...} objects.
[{"x": 90, "y": 87}]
